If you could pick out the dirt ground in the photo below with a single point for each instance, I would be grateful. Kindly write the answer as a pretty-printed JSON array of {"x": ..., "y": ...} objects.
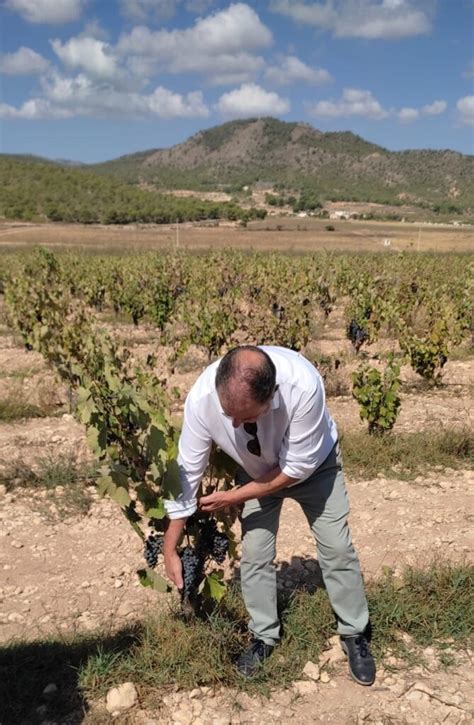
[
  {"x": 284, "y": 234},
  {"x": 76, "y": 572}
]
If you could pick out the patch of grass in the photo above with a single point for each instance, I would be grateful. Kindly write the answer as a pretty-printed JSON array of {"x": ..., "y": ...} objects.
[
  {"x": 462, "y": 353},
  {"x": 406, "y": 455},
  {"x": 431, "y": 605},
  {"x": 49, "y": 473},
  {"x": 11, "y": 409}
]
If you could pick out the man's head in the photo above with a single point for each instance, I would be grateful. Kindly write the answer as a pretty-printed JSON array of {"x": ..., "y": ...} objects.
[{"x": 245, "y": 384}]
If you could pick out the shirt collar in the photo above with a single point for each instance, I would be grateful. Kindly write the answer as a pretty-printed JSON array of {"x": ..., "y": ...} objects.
[{"x": 276, "y": 399}]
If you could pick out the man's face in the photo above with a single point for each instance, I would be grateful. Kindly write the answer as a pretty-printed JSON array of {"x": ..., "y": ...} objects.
[{"x": 243, "y": 410}]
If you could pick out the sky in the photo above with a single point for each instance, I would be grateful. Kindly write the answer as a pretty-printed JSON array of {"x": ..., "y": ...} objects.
[{"x": 90, "y": 80}]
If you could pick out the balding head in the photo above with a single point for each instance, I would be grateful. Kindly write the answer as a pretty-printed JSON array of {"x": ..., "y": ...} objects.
[{"x": 246, "y": 373}]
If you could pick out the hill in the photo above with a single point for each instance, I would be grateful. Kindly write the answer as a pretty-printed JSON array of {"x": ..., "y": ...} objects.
[
  {"x": 337, "y": 165},
  {"x": 33, "y": 188}
]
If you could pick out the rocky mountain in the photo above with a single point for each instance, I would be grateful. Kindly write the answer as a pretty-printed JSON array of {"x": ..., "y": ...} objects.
[{"x": 337, "y": 165}]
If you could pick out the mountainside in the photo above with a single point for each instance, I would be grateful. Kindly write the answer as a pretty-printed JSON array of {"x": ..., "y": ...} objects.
[
  {"x": 35, "y": 189},
  {"x": 337, "y": 165}
]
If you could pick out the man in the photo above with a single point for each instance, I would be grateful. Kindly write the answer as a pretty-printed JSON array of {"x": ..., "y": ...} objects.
[{"x": 265, "y": 407}]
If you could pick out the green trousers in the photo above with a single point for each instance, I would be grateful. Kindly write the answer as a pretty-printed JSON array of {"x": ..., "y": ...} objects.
[{"x": 323, "y": 498}]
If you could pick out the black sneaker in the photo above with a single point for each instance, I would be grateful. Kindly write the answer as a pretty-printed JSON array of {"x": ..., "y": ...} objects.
[
  {"x": 361, "y": 662},
  {"x": 253, "y": 657}
]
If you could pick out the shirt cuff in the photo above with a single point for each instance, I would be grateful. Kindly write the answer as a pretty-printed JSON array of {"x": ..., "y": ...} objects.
[
  {"x": 301, "y": 473},
  {"x": 178, "y": 510}
]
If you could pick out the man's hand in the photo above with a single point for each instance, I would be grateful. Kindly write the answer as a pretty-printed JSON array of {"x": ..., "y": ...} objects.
[
  {"x": 174, "y": 568},
  {"x": 216, "y": 501}
]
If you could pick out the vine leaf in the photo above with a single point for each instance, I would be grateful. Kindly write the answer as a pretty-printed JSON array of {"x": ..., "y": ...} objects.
[
  {"x": 171, "y": 481},
  {"x": 213, "y": 586},
  {"x": 148, "y": 578},
  {"x": 158, "y": 511},
  {"x": 156, "y": 441},
  {"x": 120, "y": 495}
]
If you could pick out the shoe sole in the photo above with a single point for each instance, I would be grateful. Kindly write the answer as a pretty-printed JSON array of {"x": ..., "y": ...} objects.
[{"x": 356, "y": 679}]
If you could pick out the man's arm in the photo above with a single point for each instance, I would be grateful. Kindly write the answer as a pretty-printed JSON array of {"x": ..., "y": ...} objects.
[
  {"x": 267, "y": 484},
  {"x": 174, "y": 568},
  {"x": 194, "y": 448}
]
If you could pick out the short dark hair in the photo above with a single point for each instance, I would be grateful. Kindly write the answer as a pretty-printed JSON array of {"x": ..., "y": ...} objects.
[{"x": 260, "y": 378}]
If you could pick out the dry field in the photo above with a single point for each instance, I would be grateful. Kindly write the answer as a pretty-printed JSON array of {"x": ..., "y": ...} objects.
[{"x": 282, "y": 234}]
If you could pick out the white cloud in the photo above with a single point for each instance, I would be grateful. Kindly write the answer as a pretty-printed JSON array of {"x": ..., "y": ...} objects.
[
  {"x": 465, "y": 107},
  {"x": 251, "y": 100},
  {"x": 359, "y": 18},
  {"x": 293, "y": 70},
  {"x": 81, "y": 95},
  {"x": 407, "y": 115},
  {"x": 34, "y": 109},
  {"x": 166, "y": 104},
  {"x": 354, "y": 102},
  {"x": 23, "y": 61},
  {"x": 434, "y": 109},
  {"x": 88, "y": 54},
  {"x": 219, "y": 46},
  {"x": 54, "y": 12}
]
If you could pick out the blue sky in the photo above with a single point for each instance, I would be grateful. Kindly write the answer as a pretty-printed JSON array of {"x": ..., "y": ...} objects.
[{"x": 90, "y": 80}]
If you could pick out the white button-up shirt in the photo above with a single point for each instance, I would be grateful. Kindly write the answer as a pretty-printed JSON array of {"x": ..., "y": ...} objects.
[{"x": 297, "y": 432}]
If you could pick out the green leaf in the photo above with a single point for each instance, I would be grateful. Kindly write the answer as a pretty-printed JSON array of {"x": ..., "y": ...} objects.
[
  {"x": 97, "y": 439},
  {"x": 148, "y": 578},
  {"x": 119, "y": 475},
  {"x": 120, "y": 495},
  {"x": 213, "y": 586},
  {"x": 83, "y": 394},
  {"x": 103, "y": 484},
  {"x": 156, "y": 441},
  {"x": 158, "y": 511},
  {"x": 171, "y": 481},
  {"x": 145, "y": 580},
  {"x": 86, "y": 408},
  {"x": 155, "y": 473}
]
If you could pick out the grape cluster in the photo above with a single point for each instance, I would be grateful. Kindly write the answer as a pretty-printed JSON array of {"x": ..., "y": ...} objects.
[
  {"x": 356, "y": 334},
  {"x": 153, "y": 547},
  {"x": 210, "y": 544},
  {"x": 220, "y": 548},
  {"x": 192, "y": 572}
]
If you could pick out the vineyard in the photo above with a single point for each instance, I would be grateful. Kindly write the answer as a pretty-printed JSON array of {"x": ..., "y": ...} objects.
[{"x": 125, "y": 336}]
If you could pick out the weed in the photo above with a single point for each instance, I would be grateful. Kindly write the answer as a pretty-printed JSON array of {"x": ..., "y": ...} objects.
[
  {"x": 406, "y": 455},
  {"x": 61, "y": 478},
  {"x": 13, "y": 409},
  {"x": 431, "y": 605}
]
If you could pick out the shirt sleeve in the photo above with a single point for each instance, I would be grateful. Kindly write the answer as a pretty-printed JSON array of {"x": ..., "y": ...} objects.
[
  {"x": 194, "y": 448},
  {"x": 304, "y": 446}
]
